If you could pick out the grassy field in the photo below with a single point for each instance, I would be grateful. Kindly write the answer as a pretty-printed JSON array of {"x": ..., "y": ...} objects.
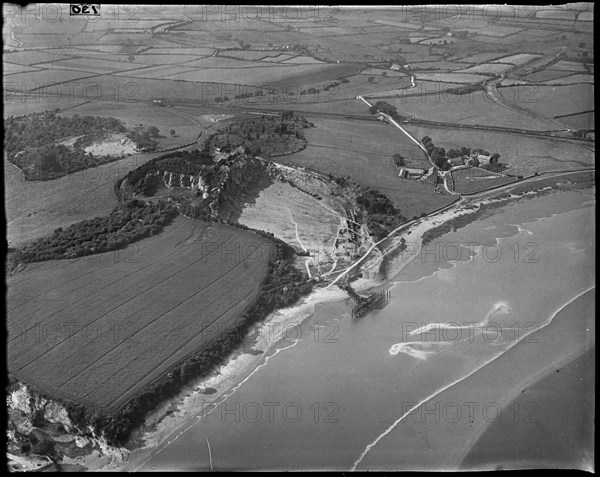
[
  {"x": 95, "y": 65},
  {"x": 30, "y": 57},
  {"x": 33, "y": 80},
  {"x": 12, "y": 68},
  {"x": 475, "y": 108},
  {"x": 487, "y": 68},
  {"x": 464, "y": 78},
  {"x": 572, "y": 79},
  {"x": 438, "y": 65},
  {"x": 522, "y": 153},
  {"x": 35, "y": 209},
  {"x": 568, "y": 66},
  {"x": 547, "y": 75},
  {"x": 364, "y": 152},
  {"x": 157, "y": 72},
  {"x": 481, "y": 57},
  {"x": 469, "y": 182},
  {"x": 517, "y": 59},
  {"x": 579, "y": 121},
  {"x": 298, "y": 74},
  {"x": 552, "y": 101},
  {"x": 132, "y": 316}
]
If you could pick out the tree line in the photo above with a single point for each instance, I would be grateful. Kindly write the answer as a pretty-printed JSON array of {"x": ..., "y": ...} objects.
[{"x": 127, "y": 223}]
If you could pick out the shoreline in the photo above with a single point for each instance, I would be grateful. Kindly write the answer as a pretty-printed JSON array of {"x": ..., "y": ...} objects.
[
  {"x": 182, "y": 409},
  {"x": 192, "y": 403}
]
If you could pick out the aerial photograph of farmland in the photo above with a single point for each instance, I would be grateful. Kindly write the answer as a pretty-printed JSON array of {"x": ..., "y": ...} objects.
[{"x": 299, "y": 238}]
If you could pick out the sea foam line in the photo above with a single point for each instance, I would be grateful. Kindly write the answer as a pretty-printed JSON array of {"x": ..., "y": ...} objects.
[{"x": 435, "y": 393}]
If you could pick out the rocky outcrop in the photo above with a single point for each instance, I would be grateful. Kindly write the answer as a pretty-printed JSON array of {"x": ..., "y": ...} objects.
[
  {"x": 30, "y": 404},
  {"x": 28, "y": 412}
]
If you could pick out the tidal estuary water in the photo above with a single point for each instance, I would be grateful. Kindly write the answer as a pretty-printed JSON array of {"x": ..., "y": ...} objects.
[{"x": 481, "y": 314}]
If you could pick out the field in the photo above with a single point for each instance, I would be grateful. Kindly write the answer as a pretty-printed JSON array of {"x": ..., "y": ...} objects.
[
  {"x": 437, "y": 65},
  {"x": 481, "y": 57},
  {"x": 132, "y": 315},
  {"x": 524, "y": 154},
  {"x": 579, "y": 121},
  {"x": 487, "y": 68},
  {"x": 249, "y": 55},
  {"x": 163, "y": 59},
  {"x": 553, "y": 101},
  {"x": 471, "y": 181},
  {"x": 302, "y": 60},
  {"x": 568, "y": 66},
  {"x": 572, "y": 80},
  {"x": 42, "y": 79},
  {"x": 159, "y": 71},
  {"x": 31, "y": 57},
  {"x": 547, "y": 75},
  {"x": 475, "y": 108},
  {"x": 277, "y": 58},
  {"x": 10, "y": 68},
  {"x": 556, "y": 14},
  {"x": 464, "y": 78},
  {"x": 518, "y": 59},
  {"x": 305, "y": 75},
  {"x": 35, "y": 209},
  {"x": 197, "y": 51},
  {"x": 364, "y": 152}
]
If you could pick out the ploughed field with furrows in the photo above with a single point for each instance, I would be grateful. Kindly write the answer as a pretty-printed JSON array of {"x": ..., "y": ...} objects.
[{"x": 100, "y": 328}]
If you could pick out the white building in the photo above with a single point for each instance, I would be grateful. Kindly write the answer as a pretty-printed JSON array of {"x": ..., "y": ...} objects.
[
  {"x": 484, "y": 159},
  {"x": 412, "y": 172}
]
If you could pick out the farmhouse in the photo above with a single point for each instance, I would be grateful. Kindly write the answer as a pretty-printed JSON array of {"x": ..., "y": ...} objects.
[
  {"x": 471, "y": 161},
  {"x": 456, "y": 161},
  {"x": 480, "y": 158},
  {"x": 484, "y": 158},
  {"x": 412, "y": 172},
  {"x": 395, "y": 67}
]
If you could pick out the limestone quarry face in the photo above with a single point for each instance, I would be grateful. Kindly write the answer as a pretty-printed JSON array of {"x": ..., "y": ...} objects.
[{"x": 22, "y": 399}]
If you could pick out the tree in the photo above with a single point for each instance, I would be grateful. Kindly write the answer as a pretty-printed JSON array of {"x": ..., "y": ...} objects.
[
  {"x": 399, "y": 160},
  {"x": 172, "y": 132},
  {"x": 152, "y": 131}
]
